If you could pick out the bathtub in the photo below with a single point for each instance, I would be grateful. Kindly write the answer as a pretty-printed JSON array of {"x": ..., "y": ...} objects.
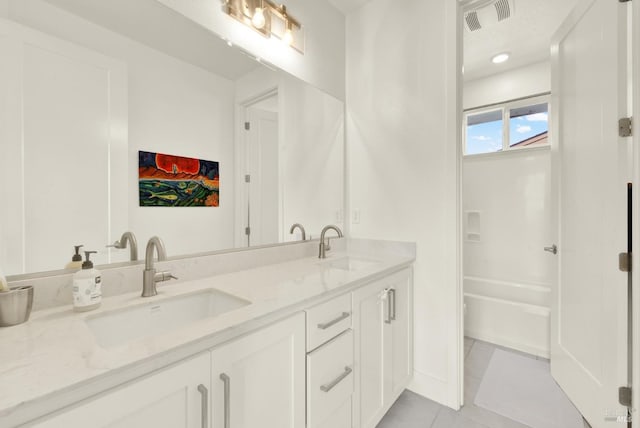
[{"x": 510, "y": 314}]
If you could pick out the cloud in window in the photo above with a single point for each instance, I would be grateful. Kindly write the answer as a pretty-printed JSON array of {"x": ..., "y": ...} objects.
[
  {"x": 481, "y": 138},
  {"x": 523, "y": 129},
  {"x": 538, "y": 117}
]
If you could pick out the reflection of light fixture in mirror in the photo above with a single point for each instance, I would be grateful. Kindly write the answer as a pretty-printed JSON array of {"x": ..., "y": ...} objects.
[{"x": 268, "y": 18}]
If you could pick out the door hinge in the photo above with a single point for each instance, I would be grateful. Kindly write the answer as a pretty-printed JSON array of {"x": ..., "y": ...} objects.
[
  {"x": 247, "y": 230},
  {"x": 624, "y": 396},
  {"x": 247, "y": 178},
  {"x": 625, "y": 127},
  {"x": 247, "y": 126},
  {"x": 624, "y": 262}
]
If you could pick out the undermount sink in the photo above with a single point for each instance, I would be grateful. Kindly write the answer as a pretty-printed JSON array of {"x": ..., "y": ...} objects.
[
  {"x": 350, "y": 264},
  {"x": 150, "y": 319}
]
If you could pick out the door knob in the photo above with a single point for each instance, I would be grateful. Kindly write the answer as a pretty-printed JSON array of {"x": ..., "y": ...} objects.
[{"x": 552, "y": 249}]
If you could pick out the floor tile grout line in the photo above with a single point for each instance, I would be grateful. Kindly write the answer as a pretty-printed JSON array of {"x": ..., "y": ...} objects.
[{"x": 433, "y": 422}]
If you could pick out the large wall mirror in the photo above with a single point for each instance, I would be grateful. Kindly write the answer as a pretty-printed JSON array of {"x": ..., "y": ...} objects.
[{"x": 86, "y": 85}]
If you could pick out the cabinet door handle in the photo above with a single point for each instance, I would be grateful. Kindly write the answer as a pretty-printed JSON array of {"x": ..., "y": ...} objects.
[
  {"x": 393, "y": 304},
  {"x": 227, "y": 399},
  {"x": 329, "y": 386},
  {"x": 326, "y": 325},
  {"x": 204, "y": 393},
  {"x": 387, "y": 293}
]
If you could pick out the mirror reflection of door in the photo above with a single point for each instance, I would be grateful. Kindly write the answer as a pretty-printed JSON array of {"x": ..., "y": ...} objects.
[{"x": 262, "y": 213}]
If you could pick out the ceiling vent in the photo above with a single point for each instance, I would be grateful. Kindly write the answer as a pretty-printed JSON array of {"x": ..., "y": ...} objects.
[{"x": 482, "y": 14}]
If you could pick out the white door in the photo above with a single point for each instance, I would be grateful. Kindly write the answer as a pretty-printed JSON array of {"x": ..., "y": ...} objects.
[
  {"x": 264, "y": 171},
  {"x": 590, "y": 175},
  {"x": 172, "y": 398},
  {"x": 259, "y": 380}
]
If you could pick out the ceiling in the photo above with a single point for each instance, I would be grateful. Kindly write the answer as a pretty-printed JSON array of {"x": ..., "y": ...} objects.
[
  {"x": 526, "y": 35},
  {"x": 151, "y": 23},
  {"x": 347, "y": 6}
]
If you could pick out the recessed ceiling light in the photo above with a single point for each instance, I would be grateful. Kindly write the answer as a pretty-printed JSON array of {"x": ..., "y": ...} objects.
[{"x": 501, "y": 57}]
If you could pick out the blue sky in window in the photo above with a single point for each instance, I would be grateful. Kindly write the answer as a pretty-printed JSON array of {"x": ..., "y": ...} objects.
[
  {"x": 524, "y": 127},
  {"x": 484, "y": 137}
]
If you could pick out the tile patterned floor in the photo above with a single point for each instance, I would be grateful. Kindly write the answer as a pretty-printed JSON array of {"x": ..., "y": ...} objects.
[{"x": 414, "y": 411}]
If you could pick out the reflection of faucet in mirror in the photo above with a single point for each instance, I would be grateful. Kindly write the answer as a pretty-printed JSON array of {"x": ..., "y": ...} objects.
[
  {"x": 150, "y": 277},
  {"x": 301, "y": 227},
  {"x": 128, "y": 238},
  {"x": 326, "y": 247}
]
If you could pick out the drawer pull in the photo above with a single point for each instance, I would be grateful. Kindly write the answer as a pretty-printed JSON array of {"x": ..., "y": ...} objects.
[
  {"x": 326, "y": 325},
  {"x": 204, "y": 392},
  {"x": 328, "y": 387},
  {"x": 387, "y": 297},
  {"x": 227, "y": 397},
  {"x": 393, "y": 306}
]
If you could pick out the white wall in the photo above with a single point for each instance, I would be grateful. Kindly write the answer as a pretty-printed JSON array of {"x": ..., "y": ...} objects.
[
  {"x": 323, "y": 62},
  {"x": 519, "y": 82},
  {"x": 311, "y": 150},
  {"x": 174, "y": 108},
  {"x": 312, "y": 157},
  {"x": 511, "y": 191},
  {"x": 402, "y": 131}
]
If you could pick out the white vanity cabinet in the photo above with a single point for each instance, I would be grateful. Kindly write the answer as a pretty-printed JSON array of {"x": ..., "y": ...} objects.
[
  {"x": 175, "y": 397},
  {"x": 339, "y": 364},
  {"x": 383, "y": 332},
  {"x": 259, "y": 379}
]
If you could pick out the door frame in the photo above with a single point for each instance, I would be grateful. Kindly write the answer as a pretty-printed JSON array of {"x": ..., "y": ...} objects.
[
  {"x": 635, "y": 25},
  {"x": 635, "y": 60},
  {"x": 240, "y": 153}
]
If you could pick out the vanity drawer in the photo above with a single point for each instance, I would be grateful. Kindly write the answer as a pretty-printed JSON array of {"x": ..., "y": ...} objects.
[
  {"x": 330, "y": 380},
  {"x": 341, "y": 418},
  {"x": 327, "y": 320}
]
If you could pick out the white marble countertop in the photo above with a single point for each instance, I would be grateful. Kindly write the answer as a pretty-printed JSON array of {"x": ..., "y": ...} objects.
[{"x": 54, "y": 360}]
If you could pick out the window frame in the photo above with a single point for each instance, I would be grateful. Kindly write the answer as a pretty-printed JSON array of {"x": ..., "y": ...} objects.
[{"x": 506, "y": 108}]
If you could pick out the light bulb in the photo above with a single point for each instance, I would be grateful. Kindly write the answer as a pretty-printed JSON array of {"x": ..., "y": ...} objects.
[
  {"x": 502, "y": 57},
  {"x": 288, "y": 37},
  {"x": 258, "y": 19}
]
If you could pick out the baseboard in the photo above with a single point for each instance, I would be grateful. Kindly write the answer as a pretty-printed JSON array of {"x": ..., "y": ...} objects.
[{"x": 501, "y": 341}]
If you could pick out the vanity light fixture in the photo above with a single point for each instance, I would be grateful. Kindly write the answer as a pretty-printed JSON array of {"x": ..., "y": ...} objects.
[
  {"x": 267, "y": 18},
  {"x": 500, "y": 58}
]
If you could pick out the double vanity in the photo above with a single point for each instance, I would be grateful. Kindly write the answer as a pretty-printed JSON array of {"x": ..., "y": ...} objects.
[{"x": 276, "y": 338}]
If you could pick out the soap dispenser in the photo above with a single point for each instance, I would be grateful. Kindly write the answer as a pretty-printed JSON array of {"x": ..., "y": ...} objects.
[
  {"x": 87, "y": 286},
  {"x": 76, "y": 260}
]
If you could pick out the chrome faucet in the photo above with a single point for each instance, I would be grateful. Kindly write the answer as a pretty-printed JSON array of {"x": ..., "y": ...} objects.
[
  {"x": 326, "y": 247},
  {"x": 150, "y": 277},
  {"x": 128, "y": 238},
  {"x": 301, "y": 227}
]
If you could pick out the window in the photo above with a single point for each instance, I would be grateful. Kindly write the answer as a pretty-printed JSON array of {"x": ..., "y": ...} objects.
[
  {"x": 510, "y": 126},
  {"x": 484, "y": 132}
]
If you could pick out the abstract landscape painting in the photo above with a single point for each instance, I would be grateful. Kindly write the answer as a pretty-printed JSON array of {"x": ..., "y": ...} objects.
[{"x": 176, "y": 181}]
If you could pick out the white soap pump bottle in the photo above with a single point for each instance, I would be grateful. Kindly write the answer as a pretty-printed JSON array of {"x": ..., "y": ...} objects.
[{"x": 87, "y": 286}]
